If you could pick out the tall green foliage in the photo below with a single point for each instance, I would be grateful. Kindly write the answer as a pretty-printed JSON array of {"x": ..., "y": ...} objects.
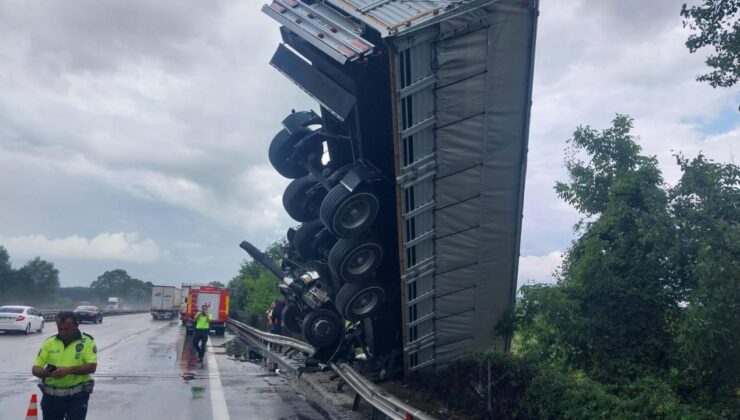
[
  {"x": 119, "y": 283},
  {"x": 608, "y": 316},
  {"x": 254, "y": 288},
  {"x": 35, "y": 283},
  {"x": 706, "y": 204},
  {"x": 718, "y": 27},
  {"x": 649, "y": 293}
]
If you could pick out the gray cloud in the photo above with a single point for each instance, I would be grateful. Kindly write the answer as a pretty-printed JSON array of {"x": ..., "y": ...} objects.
[{"x": 155, "y": 117}]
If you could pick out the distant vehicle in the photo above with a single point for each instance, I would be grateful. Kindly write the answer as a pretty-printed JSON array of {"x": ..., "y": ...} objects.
[
  {"x": 114, "y": 304},
  {"x": 216, "y": 299},
  {"x": 89, "y": 314},
  {"x": 21, "y": 318},
  {"x": 165, "y": 302}
]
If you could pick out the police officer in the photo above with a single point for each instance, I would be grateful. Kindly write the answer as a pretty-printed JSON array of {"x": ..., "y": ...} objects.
[
  {"x": 64, "y": 365},
  {"x": 202, "y": 329}
]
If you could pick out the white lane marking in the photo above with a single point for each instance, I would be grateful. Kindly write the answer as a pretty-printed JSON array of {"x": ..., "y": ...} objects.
[
  {"x": 35, "y": 337},
  {"x": 218, "y": 401},
  {"x": 119, "y": 342}
]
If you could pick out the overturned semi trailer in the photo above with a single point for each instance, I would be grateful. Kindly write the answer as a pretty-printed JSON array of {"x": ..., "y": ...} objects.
[{"x": 410, "y": 180}]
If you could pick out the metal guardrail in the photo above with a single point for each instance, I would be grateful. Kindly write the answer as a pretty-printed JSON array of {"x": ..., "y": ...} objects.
[
  {"x": 381, "y": 400},
  {"x": 385, "y": 403},
  {"x": 266, "y": 337}
]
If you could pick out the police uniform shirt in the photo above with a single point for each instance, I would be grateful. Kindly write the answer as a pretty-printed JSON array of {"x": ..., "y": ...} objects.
[{"x": 80, "y": 351}]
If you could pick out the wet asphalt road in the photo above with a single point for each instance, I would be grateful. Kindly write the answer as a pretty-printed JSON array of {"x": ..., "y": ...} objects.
[{"x": 147, "y": 370}]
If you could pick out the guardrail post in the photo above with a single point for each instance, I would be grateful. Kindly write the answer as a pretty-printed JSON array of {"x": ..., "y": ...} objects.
[
  {"x": 490, "y": 407},
  {"x": 356, "y": 403}
]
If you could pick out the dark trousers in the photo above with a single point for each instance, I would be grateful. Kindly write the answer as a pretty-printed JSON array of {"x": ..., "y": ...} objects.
[
  {"x": 200, "y": 338},
  {"x": 65, "y": 408}
]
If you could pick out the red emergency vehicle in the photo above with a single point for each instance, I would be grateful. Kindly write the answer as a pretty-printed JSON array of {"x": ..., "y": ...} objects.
[{"x": 217, "y": 300}]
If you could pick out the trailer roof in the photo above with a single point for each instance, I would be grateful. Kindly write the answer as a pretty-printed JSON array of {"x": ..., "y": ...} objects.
[{"x": 392, "y": 17}]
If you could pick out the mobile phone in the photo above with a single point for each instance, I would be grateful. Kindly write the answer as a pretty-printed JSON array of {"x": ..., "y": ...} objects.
[{"x": 50, "y": 368}]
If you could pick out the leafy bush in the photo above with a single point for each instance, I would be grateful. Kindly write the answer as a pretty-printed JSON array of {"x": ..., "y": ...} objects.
[{"x": 522, "y": 388}]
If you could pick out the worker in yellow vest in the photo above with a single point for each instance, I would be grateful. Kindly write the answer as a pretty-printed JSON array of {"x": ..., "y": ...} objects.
[
  {"x": 202, "y": 329},
  {"x": 64, "y": 365}
]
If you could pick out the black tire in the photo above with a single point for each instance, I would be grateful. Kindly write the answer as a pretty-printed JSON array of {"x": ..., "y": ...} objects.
[
  {"x": 302, "y": 198},
  {"x": 354, "y": 260},
  {"x": 305, "y": 239},
  {"x": 321, "y": 328},
  {"x": 28, "y": 328},
  {"x": 290, "y": 317},
  {"x": 220, "y": 330},
  {"x": 356, "y": 301},
  {"x": 282, "y": 151},
  {"x": 41, "y": 328},
  {"x": 348, "y": 214},
  {"x": 100, "y": 321}
]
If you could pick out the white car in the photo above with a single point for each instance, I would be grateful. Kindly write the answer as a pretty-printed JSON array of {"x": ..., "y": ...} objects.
[{"x": 21, "y": 318}]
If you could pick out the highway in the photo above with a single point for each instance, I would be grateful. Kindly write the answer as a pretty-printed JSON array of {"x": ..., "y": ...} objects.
[{"x": 147, "y": 369}]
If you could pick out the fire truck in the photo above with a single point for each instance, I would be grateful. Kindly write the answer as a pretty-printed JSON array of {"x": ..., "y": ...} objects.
[{"x": 217, "y": 300}]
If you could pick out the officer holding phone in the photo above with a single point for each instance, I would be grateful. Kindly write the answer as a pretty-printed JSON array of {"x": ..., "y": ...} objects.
[{"x": 65, "y": 364}]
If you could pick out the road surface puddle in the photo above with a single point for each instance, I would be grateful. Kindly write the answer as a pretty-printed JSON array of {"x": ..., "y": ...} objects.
[{"x": 197, "y": 392}]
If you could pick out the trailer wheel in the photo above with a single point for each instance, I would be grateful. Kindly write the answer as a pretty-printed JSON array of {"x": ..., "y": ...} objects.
[
  {"x": 290, "y": 317},
  {"x": 321, "y": 328},
  {"x": 305, "y": 239},
  {"x": 347, "y": 213},
  {"x": 353, "y": 260},
  {"x": 356, "y": 301},
  {"x": 302, "y": 198},
  {"x": 282, "y": 153}
]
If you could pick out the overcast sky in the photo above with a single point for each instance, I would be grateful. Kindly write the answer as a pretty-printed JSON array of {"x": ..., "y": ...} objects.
[{"x": 134, "y": 134}]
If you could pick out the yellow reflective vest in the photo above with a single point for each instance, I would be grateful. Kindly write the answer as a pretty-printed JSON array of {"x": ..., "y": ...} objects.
[
  {"x": 80, "y": 351},
  {"x": 202, "y": 321}
]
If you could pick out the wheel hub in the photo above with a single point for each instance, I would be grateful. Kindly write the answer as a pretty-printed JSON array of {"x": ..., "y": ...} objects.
[
  {"x": 355, "y": 214},
  {"x": 361, "y": 261},
  {"x": 322, "y": 328},
  {"x": 365, "y": 302}
]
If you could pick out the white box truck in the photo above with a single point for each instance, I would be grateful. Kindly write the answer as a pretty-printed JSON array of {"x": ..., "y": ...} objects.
[{"x": 165, "y": 302}]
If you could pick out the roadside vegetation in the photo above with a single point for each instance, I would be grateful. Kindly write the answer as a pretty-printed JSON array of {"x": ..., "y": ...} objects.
[
  {"x": 36, "y": 283},
  {"x": 644, "y": 320},
  {"x": 254, "y": 288}
]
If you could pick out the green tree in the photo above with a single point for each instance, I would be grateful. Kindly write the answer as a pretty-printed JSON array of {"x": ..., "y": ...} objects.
[
  {"x": 254, "y": 287},
  {"x": 609, "y": 313},
  {"x": 119, "y": 283},
  {"x": 706, "y": 206},
  {"x": 648, "y": 297},
  {"x": 110, "y": 283},
  {"x": 40, "y": 279},
  {"x": 217, "y": 284},
  {"x": 5, "y": 266},
  {"x": 612, "y": 153},
  {"x": 718, "y": 27},
  {"x": 6, "y": 271}
]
